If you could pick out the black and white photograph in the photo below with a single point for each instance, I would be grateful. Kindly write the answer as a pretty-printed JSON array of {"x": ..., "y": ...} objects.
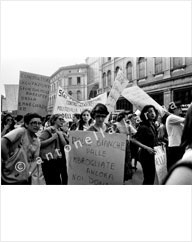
[{"x": 74, "y": 117}]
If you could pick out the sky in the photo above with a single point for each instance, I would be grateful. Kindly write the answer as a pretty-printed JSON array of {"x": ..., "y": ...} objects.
[{"x": 42, "y": 36}]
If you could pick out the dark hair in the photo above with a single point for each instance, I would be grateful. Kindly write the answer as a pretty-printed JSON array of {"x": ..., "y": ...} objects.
[
  {"x": 81, "y": 121},
  {"x": 120, "y": 116},
  {"x": 47, "y": 117},
  {"x": 77, "y": 115},
  {"x": 186, "y": 137},
  {"x": 29, "y": 116},
  {"x": 145, "y": 109},
  {"x": 164, "y": 118},
  {"x": 54, "y": 117},
  {"x": 99, "y": 108},
  {"x": 4, "y": 121},
  {"x": 19, "y": 118}
]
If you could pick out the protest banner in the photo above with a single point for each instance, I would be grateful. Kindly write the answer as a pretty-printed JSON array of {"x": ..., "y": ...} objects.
[
  {"x": 96, "y": 158},
  {"x": 67, "y": 105},
  {"x": 160, "y": 163},
  {"x": 11, "y": 93},
  {"x": 140, "y": 98},
  {"x": 118, "y": 86},
  {"x": 33, "y": 93}
]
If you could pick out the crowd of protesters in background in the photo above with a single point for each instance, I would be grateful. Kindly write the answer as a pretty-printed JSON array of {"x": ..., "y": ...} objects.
[{"x": 47, "y": 137}]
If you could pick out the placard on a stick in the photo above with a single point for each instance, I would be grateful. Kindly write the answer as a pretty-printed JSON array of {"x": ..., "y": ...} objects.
[{"x": 33, "y": 93}]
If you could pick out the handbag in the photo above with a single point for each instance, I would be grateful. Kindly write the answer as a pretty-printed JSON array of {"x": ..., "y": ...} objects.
[
  {"x": 15, "y": 170},
  {"x": 37, "y": 177}
]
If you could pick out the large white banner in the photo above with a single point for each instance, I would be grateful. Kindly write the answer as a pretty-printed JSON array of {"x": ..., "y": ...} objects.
[
  {"x": 66, "y": 105},
  {"x": 140, "y": 98},
  {"x": 96, "y": 158}
]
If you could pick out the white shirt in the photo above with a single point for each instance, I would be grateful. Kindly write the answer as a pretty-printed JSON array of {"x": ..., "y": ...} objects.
[
  {"x": 174, "y": 126},
  {"x": 188, "y": 155}
]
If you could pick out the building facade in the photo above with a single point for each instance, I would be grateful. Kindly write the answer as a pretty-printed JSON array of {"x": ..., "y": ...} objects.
[
  {"x": 94, "y": 75},
  {"x": 165, "y": 79},
  {"x": 74, "y": 81}
]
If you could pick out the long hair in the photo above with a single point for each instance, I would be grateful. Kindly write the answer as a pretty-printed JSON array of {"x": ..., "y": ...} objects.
[
  {"x": 186, "y": 138},
  {"x": 145, "y": 110},
  {"x": 4, "y": 122},
  {"x": 53, "y": 118},
  {"x": 81, "y": 121}
]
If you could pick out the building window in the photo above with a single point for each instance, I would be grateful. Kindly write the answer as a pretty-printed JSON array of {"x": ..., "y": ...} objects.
[
  {"x": 177, "y": 62},
  {"x": 104, "y": 80},
  {"x": 158, "y": 65},
  {"x": 108, "y": 58},
  {"x": 70, "y": 93},
  {"x": 124, "y": 104},
  {"x": 141, "y": 66},
  {"x": 78, "y": 80},
  {"x": 129, "y": 69},
  {"x": 183, "y": 95},
  {"x": 109, "y": 78},
  {"x": 116, "y": 70},
  {"x": 93, "y": 94},
  {"x": 78, "y": 95},
  {"x": 69, "y": 81},
  {"x": 158, "y": 97}
]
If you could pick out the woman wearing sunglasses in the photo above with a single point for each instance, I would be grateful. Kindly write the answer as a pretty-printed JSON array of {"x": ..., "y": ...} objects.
[
  {"x": 52, "y": 152},
  {"x": 25, "y": 136},
  {"x": 7, "y": 124}
]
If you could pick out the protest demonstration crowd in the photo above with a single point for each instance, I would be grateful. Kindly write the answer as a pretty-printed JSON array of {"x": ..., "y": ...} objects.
[{"x": 98, "y": 147}]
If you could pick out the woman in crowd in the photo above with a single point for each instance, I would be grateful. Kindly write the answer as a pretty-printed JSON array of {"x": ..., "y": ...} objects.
[
  {"x": 52, "y": 152},
  {"x": 147, "y": 136},
  {"x": 19, "y": 121},
  {"x": 121, "y": 126},
  {"x": 26, "y": 136},
  {"x": 181, "y": 172},
  {"x": 99, "y": 113},
  {"x": 74, "y": 124},
  {"x": 46, "y": 122},
  {"x": 7, "y": 124},
  {"x": 85, "y": 120}
]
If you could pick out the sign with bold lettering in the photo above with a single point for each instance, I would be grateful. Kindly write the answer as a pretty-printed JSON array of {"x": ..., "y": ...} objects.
[
  {"x": 33, "y": 93},
  {"x": 66, "y": 105},
  {"x": 96, "y": 158},
  {"x": 140, "y": 98},
  {"x": 160, "y": 163}
]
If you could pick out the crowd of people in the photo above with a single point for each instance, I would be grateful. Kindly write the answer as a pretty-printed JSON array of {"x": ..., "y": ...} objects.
[{"x": 47, "y": 137}]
